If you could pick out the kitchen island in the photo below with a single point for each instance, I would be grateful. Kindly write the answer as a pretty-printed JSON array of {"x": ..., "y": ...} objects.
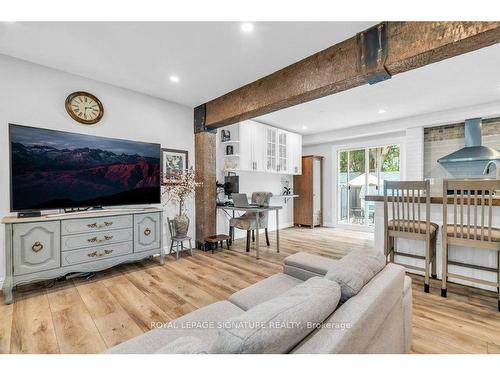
[{"x": 479, "y": 257}]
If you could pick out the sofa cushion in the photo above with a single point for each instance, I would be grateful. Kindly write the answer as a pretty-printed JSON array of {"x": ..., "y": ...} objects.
[
  {"x": 353, "y": 327},
  {"x": 201, "y": 323},
  {"x": 263, "y": 291},
  {"x": 279, "y": 324},
  {"x": 304, "y": 266},
  {"x": 185, "y": 345},
  {"x": 355, "y": 270}
]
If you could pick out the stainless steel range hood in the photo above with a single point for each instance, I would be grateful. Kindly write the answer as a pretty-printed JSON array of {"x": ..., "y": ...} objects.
[{"x": 473, "y": 150}]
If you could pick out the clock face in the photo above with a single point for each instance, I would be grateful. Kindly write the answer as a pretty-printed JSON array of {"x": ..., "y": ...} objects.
[{"x": 84, "y": 107}]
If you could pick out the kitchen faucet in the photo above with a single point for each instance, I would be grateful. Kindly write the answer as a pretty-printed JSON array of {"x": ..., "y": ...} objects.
[{"x": 496, "y": 163}]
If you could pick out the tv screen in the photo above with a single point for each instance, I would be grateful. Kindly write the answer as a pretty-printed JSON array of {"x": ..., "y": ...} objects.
[{"x": 55, "y": 169}]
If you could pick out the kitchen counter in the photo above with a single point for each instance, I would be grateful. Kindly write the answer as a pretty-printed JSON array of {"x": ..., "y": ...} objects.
[
  {"x": 480, "y": 257},
  {"x": 435, "y": 199}
]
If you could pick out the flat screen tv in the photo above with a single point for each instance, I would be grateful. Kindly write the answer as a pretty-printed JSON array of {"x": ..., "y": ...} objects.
[{"x": 52, "y": 169}]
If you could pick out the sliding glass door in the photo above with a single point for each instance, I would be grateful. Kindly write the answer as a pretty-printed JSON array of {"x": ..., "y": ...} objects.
[{"x": 362, "y": 172}]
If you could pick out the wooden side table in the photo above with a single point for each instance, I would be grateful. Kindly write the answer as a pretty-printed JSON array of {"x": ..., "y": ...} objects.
[{"x": 213, "y": 241}]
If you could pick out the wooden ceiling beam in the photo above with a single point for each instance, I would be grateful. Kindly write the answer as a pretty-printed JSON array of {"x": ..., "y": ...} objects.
[{"x": 410, "y": 45}]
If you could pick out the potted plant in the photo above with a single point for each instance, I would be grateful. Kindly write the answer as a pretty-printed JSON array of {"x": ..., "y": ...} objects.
[{"x": 179, "y": 190}]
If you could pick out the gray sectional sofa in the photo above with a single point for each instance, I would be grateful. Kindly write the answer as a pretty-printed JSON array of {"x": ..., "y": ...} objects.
[{"x": 357, "y": 304}]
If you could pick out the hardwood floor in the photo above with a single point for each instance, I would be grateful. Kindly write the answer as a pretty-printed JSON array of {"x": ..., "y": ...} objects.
[{"x": 88, "y": 316}]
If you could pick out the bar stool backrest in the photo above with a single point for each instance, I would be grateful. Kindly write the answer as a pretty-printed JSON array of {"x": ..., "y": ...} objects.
[
  {"x": 406, "y": 199},
  {"x": 471, "y": 203}
]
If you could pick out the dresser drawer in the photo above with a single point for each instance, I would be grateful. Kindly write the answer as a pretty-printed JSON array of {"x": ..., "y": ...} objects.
[
  {"x": 90, "y": 254},
  {"x": 95, "y": 224},
  {"x": 78, "y": 241}
]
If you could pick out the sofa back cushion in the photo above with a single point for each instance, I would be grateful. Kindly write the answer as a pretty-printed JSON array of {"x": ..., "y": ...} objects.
[
  {"x": 355, "y": 270},
  {"x": 355, "y": 326},
  {"x": 277, "y": 325}
]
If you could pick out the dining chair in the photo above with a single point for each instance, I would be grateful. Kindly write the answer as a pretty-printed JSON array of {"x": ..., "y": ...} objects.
[
  {"x": 248, "y": 221},
  {"x": 178, "y": 240},
  {"x": 469, "y": 204},
  {"x": 406, "y": 199}
]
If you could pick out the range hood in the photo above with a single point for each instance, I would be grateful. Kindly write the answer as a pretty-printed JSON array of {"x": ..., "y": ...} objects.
[{"x": 473, "y": 150}]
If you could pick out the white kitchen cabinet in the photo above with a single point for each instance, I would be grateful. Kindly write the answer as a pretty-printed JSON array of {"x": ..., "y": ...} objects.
[
  {"x": 263, "y": 148},
  {"x": 251, "y": 146},
  {"x": 271, "y": 145},
  {"x": 246, "y": 148},
  {"x": 283, "y": 151}
]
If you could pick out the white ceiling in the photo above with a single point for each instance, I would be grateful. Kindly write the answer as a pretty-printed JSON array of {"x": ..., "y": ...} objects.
[
  {"x": 210, "y": 58},
  {"x": 466, "y": 80}
]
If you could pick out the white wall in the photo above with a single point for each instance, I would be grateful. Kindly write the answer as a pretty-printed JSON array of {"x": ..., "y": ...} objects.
[
  {"x": 415, "y": 151},
  {"x": 34, "y": 95}
]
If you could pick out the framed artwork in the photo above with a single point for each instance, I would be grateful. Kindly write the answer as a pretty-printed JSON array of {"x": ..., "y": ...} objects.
[{"x": 173, "y": 163}]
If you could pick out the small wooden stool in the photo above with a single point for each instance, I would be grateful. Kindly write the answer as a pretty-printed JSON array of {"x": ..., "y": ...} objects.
[{"x": 213, "y": 241}]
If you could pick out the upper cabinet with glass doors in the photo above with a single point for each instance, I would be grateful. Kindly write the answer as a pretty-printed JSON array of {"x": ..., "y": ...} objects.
[{"x": 261, "y": 148}]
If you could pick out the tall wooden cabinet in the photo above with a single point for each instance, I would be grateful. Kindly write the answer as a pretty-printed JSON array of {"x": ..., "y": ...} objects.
[{"x": 307, "y": 208}]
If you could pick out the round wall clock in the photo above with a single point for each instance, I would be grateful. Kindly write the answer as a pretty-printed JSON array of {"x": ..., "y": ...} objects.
[{"x": 84, "y": 108}]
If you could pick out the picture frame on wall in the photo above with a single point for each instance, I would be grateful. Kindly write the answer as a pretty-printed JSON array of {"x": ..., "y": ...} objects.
[{"x": 173, "y": 163}]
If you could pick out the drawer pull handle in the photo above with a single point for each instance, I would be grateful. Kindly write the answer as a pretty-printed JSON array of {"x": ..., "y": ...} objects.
[
  {"x": 147, "y": 231},
  {"x": 103, "y": 225},
  {"x": 96, "y": 254},
  {"x": 97, "y": 240},
  {"x": 37, "y": 246}
]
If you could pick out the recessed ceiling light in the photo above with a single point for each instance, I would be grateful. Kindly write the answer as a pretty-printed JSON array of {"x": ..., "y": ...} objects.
[
  {"x": 304, "y": 127},
  {"x": 381, "y": 111},
  {"x": 247, "y": 27},
  {"x": 174, "y": 79}
]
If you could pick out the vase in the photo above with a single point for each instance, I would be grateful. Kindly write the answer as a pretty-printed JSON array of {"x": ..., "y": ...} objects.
[{"x": 181, "y": 225}]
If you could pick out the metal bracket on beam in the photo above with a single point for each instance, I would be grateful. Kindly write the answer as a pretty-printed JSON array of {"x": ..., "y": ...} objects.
[
  {"x": 372, "y": 53},
  {"x": 199, "y": 120}
]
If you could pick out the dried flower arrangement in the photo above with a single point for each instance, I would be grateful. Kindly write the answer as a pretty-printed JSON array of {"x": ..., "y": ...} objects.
[{"x": 180, "y": 189}]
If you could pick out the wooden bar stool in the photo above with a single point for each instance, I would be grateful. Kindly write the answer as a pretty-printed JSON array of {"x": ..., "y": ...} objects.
[
  {"x": 472, "y": 199},
  {"x": 406, "y": 199}
]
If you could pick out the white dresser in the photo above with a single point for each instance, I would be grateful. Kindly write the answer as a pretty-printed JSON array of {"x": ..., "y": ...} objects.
[{"x": 47, "y": 247}]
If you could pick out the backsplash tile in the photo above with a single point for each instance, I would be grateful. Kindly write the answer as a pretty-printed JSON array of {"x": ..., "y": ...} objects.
[
  {"x": 457, "y": 131},
  {"x": 440, "y": 141}
]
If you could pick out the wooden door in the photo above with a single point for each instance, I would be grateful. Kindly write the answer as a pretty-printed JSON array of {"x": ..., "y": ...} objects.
[
  {"x": 303, "y": 186},
  {"x": 317, "y": 192}
]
